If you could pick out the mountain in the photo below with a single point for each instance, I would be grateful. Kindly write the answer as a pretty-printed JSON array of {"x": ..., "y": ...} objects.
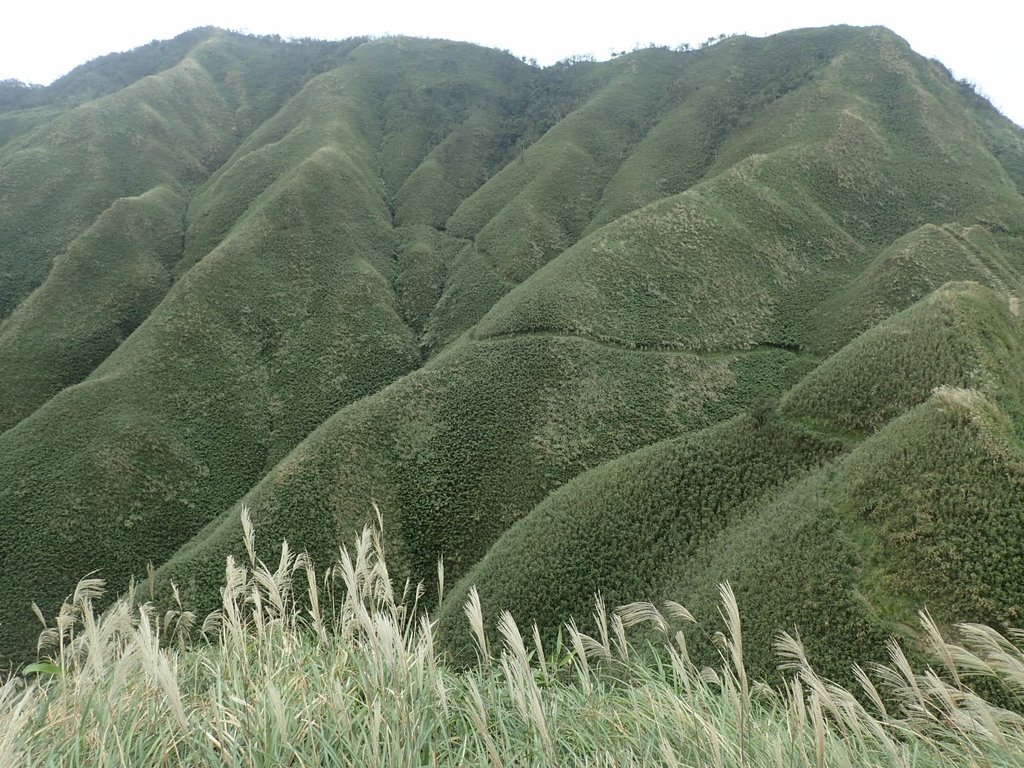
[{"x": 744, "y": 313}]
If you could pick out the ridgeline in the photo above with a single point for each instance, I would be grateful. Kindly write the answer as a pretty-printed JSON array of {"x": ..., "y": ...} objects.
[{"x": 747, "y": 313}]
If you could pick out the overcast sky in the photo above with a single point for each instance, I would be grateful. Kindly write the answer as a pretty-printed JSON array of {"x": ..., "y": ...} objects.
[{"x": 979, "y": 41}]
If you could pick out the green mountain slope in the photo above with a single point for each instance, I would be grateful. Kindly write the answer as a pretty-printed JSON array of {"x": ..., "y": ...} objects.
[
  {"x": 459, "y": 450},
  {"x": 636, "y": 326},
  {"x": 817, "y": 524},
  {"x": 76, "y": 176}
]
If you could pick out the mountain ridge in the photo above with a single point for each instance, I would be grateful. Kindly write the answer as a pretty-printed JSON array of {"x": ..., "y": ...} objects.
[{"x": 427, "y": 275}]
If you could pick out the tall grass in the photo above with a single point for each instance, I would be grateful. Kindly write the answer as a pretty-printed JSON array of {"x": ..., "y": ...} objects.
[{"x": 341, "y": 668}]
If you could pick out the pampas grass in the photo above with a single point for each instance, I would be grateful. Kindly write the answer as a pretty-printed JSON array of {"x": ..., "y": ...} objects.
[{"x": 351, "y": 675}]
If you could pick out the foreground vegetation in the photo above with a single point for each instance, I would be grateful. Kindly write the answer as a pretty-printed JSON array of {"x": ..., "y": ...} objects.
[{"x": 301, "y": 668}]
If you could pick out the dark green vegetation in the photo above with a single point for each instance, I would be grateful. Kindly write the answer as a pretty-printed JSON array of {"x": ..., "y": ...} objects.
[{"x": 747, "y": 313}]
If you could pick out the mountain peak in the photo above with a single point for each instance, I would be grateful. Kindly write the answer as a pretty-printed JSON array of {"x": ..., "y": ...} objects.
[{"x": 625, "y": 325}]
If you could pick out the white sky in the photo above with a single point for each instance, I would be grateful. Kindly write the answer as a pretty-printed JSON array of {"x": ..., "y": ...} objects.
[{"x": 979, "y": 40}]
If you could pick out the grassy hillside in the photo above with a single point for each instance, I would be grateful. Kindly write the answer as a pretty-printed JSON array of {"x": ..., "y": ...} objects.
[
  {"x": 805, "y": 506},
  {"x": 642, "y": 325},
  {"x": 97, "y": 292},
  {"x": 67, "y": 186},
  {"x": 458, "y": 451}
]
